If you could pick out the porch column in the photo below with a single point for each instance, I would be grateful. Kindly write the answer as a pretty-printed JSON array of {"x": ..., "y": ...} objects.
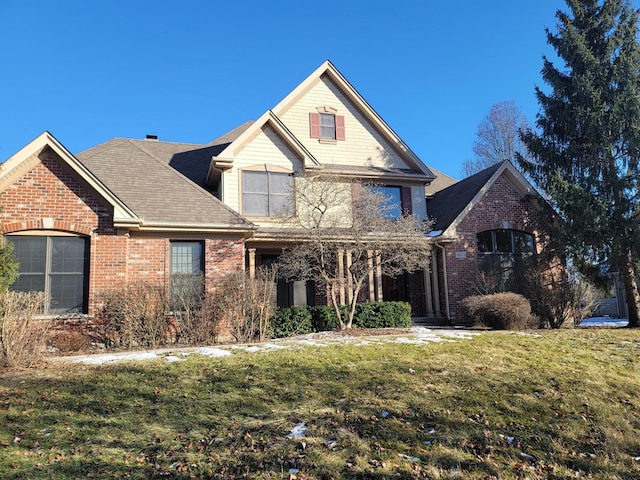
[
  {"x": 435, "y": 284},
  {"x": 372, "y": 286},
  {"x": 341, "y": 274},
  {"x": 427, "y": 288},
  {"x": 379, "y": 277},
  {"x": 349, "y": 279},
  {"x": 252, "y": 263}
]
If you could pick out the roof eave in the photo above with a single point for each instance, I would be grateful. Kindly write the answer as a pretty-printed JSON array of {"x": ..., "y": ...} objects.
[{"x": 156, "y": 226}]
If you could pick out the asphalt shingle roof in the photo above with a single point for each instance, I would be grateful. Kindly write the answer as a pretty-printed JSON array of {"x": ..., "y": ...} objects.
[
  {"x": 161, "y": 181},
  {"x": 448, "y": 204}
]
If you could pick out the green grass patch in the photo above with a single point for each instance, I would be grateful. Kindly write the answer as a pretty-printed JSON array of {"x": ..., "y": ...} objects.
[{"x": 562, "y": 404}]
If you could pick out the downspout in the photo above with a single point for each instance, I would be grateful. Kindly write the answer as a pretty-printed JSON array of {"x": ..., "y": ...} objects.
[{"x": 446, "y": 281}]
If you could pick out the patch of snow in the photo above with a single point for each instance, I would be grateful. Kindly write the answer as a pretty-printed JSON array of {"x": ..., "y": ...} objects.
[
  {"x": 604, "y": 322},
  {"x": 114, "y": 357},
  {"x": 173, "y": 358},
  {"x": 212, "y": 352},
  {"x": 407, "y": 457},
  {"x": 298, "y": 431}
]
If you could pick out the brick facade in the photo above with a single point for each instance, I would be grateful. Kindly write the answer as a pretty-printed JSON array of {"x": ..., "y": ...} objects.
[
  {"x": 502, "y": 207},
  {"x": 50, "y": 197}
]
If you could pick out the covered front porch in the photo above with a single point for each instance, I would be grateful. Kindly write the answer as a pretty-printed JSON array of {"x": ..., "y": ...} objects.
[{"x": 421, "y": 289}]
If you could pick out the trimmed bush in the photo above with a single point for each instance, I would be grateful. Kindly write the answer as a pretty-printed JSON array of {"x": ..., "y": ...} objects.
[
  {"x": 499, "y": 311},
  {"x": 382, "y": 315},
  {"x": 287, "y": 322},
  {"x": 323, "y": 318}
]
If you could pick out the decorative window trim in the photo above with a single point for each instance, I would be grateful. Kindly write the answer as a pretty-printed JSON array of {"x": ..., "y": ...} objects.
[{"x": 315, "y": 125}]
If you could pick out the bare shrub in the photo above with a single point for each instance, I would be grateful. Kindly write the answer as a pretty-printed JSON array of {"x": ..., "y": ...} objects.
[
  {"x": 194, "y": 315},
  {"x": 485, "y": 283},
  {"x": 500, "y": 311},
  {"x": 135, "y": 316},
  {"x": 70, "y": 341},
  {"x": 22, "y": 336},
  {"x": 245, "y": 304}
]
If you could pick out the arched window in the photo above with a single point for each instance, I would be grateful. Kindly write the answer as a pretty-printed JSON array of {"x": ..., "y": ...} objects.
[
  {"x": 504, "y": 256},
  {"x": 54, "y": 264}
]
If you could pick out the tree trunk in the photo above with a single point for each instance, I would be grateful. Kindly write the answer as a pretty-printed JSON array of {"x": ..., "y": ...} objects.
[{"x": 631, "y": 290}]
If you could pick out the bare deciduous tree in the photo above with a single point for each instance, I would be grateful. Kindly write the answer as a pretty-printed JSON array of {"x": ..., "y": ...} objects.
[
  {"x": 497, "y": 138},
  {"x": 349, "y": 231}
]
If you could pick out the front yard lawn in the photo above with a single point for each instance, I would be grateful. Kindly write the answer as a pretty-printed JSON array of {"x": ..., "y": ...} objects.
[{"x": 554, "y": 404}]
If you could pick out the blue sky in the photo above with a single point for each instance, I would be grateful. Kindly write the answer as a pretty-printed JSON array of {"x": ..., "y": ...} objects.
[{"x": 190, "y": 71}]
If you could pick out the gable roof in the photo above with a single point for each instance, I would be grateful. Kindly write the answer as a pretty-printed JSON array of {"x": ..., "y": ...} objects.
[
  {"x": 267, "y": 119},
  {"x": 329, "y": 70},
  {"x": 441, "y": 182},
  {"x": 451, "y": 205},
  {"x": 161, "y": 182},
  {"x": 273, "y": 117},
  {"x": 22, "y": 161}
]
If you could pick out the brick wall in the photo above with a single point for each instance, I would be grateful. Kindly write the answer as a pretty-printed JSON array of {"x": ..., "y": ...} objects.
[
  {"x": 502, "y": 207},
  {"x": 51, "y": 197}
]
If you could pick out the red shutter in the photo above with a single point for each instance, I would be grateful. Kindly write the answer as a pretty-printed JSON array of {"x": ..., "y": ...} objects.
[
  {"x": 339, "y": 127},
  {"x": 314, "y": 125},
  {"x": 407, "y": 204}
]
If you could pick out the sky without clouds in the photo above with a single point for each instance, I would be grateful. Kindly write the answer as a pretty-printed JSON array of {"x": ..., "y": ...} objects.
[{"x": 189, "y": 71}]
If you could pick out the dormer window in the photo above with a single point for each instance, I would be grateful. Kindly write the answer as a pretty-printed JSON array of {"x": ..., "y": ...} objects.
[{"x": 325, "y": 125}]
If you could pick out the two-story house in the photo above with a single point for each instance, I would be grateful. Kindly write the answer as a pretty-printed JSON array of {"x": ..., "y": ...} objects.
[{"x": 143, "y": 210}]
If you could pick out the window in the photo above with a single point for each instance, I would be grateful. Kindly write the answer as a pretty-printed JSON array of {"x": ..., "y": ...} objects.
[
  {"x": 187, "y": 269},
  {"x": 399, "y": 201},
  {"x": 505, "y": 255},
  {"x": 56, "y": 266},
  {"x": 326, "y": 126},
  {"x": 266, "y": 194}
]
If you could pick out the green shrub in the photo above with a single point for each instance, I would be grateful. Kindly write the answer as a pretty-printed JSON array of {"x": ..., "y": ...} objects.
[
  {"x": 367, "y": 315},
  {"x": 287, "y": 322},
  {"x": 499, "y": 311},
  {"x": 323, "y": 318},
  {"x": 382, "y": 315}
]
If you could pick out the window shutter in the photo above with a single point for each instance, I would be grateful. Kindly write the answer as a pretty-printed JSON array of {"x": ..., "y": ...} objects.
[
  {"x": 407, "y": 204},
  {"x": 314, "y": 125},
  {"x": 339, "y": 127}
]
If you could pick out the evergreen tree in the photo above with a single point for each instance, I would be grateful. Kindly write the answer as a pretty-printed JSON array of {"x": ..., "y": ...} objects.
[{"x": 586, "y": 151}]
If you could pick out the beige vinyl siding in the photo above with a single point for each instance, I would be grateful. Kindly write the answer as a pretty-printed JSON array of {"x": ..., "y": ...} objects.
[
  {"x": 363, "y": 146},
  {"x": 267, "y": 148}
]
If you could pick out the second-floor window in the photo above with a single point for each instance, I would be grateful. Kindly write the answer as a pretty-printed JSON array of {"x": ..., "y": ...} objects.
[
  {"x": 397, "y": 200},
  {"x": 266, "y": 194}
]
